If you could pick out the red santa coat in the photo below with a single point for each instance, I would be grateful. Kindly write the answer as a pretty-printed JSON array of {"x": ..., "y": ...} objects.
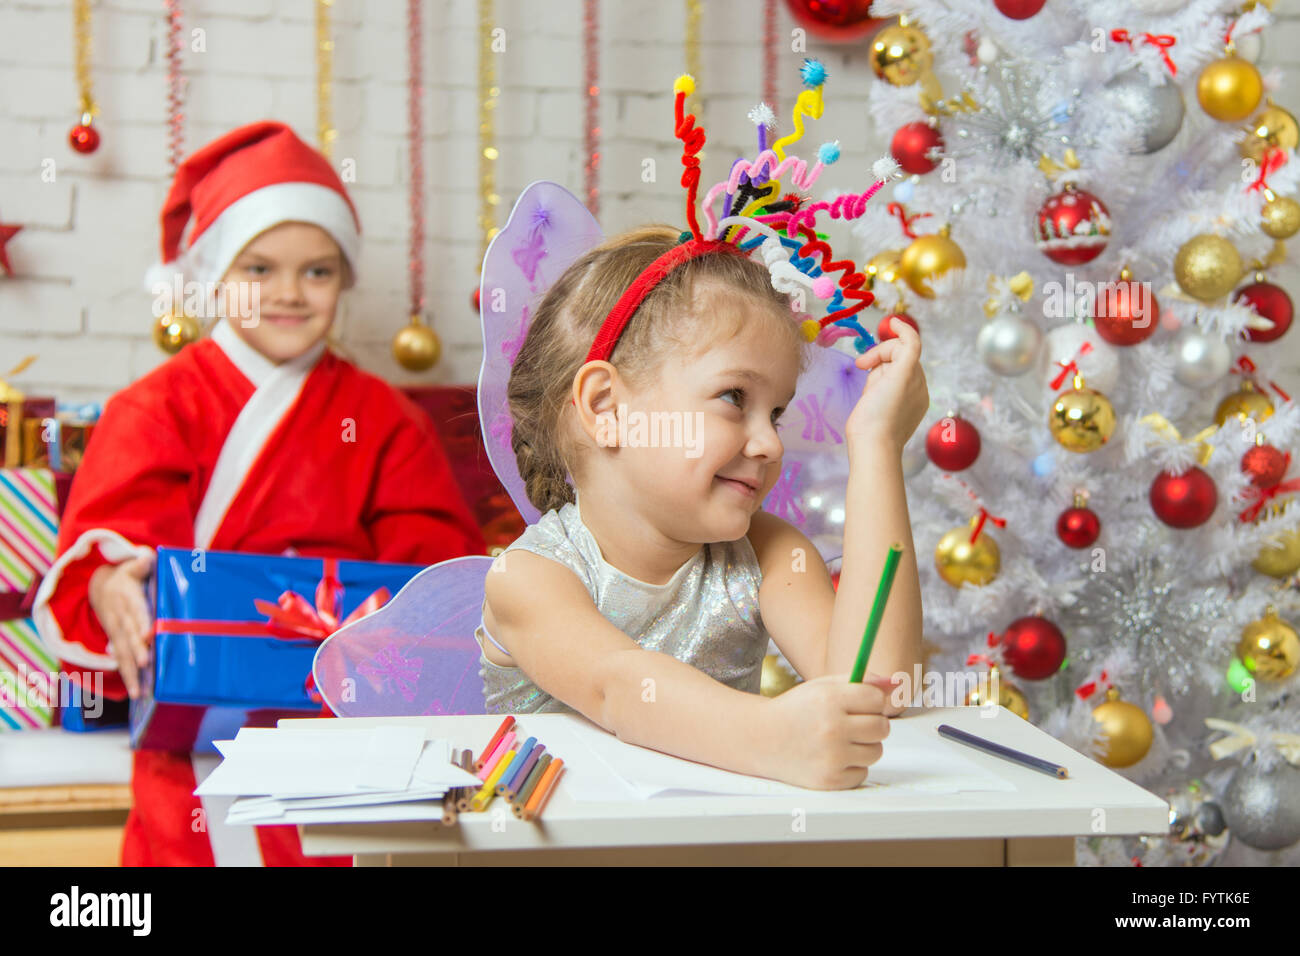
[{"x": 220, "y": 448}]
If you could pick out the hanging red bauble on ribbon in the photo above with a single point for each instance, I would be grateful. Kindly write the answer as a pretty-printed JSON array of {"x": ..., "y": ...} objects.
[
  {"x": 839, "y": 21},
  {"x": 1186, "y": 500},
  {"x": 952, "y": 443},
  {"x": 1019, "y": 9},
  {"x": 912, "y": 144},
  {"x": 1270, "y": 302},
  {"x": 1072, "y": 227},
  {"x": 1033, "y": 647},
  {"x": 885, "y": 329},
  {"x": 84, "y": 138},
  {"x": 1265, "y": 465},
  {"x": 1079, "y": 526},
  {"x": 1126, "y": 312}
]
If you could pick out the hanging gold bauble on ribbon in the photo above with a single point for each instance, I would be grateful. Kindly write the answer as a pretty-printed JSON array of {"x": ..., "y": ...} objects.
[
  {"x": 1207, "y": 267},
  {"x": 927, "y": 257},
  {"x": 171, "y": 333},
  {"x": 1082, "y": 419},
  {"x": 416, "y": 347},
  {"x": 1247, "y": 403},
  {"x": 1274, "y": 128},
  {"x": 1009, "y": 695},
  {"x": 1126, "y": 728},
  {"x": 777, "y": 678},
  {"x": 901, "y": 53},
  {"x": 885, "y": 265},
  {"x": 1280, "y": 217},
  {"x": 959, "y": 561},
  {"x": 1269, "y": 647},
  {"x": 1279, "y": 555},
  {"x": 1229, "y": 89}
]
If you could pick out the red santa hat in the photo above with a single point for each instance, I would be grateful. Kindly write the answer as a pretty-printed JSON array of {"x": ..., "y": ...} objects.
[{"x": 239, "y": 186}]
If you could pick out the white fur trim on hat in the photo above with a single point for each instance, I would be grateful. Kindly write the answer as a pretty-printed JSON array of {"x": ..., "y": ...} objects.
[{"x": 209, "y": 258}]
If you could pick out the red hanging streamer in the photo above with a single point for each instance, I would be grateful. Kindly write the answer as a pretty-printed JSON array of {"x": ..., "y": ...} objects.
[
  {"x": 1161, "y": 41},
  {"x": 904, "y": 220}
]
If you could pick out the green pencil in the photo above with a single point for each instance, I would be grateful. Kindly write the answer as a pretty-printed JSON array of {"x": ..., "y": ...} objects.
[{"x": 877, "y": 611}]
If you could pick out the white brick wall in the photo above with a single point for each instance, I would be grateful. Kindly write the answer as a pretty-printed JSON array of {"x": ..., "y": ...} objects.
[{"x": 88, "y": 236}]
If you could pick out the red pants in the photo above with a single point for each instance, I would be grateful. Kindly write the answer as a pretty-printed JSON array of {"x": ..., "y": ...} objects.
[{"x": 167, "y": 825}]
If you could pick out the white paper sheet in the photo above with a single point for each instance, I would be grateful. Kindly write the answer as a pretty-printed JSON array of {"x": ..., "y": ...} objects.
[
  {"x": 384, "y": 813},
  {"x": 912, "y": 761}
]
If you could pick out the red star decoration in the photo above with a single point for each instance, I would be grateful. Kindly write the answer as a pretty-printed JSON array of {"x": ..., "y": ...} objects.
[{"x": 7, "y": 233}]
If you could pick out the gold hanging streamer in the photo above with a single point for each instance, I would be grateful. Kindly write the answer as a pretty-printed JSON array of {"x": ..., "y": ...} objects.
[
  {"x": 325, "y": 131},
  {"x": 1162, "y": 426},
  {"x": 488, "y": 91},
  {"x": 81, "y": 19},
  {"x": 1051, "y": 168},
  {"x": 1241, "y": 737},
  {"x": 693, "y": 10}
]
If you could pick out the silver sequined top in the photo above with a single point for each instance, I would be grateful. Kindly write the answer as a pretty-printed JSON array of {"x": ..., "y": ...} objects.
[{"x": 706, "y": 615}]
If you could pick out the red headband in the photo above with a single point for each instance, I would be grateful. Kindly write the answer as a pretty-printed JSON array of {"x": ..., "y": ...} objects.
[{"x": 631, "y": 300}]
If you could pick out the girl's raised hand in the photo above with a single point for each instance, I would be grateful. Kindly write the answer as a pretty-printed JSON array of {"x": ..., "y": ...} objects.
[{"x": 895, "y": 398}]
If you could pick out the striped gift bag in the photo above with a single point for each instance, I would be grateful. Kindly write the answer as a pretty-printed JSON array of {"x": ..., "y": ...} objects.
[
  {"x": 28, "y": 678},
  {"x": 29, "y": 526}
]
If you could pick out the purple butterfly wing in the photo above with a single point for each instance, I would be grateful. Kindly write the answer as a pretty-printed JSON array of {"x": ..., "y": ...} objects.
[{"x": 547, "y": 230}]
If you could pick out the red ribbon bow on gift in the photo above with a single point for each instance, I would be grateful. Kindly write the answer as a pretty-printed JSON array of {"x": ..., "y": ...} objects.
[
  {"x": 292, "y": 616},
  {"x": 1070, "y": 368},
  {"x": 1161, "y": 41},
  {"x": 1087, "y": 690}
]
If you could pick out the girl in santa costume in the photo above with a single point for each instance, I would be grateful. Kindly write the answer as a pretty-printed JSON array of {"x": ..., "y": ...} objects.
[{"x": 256, "y": 439}]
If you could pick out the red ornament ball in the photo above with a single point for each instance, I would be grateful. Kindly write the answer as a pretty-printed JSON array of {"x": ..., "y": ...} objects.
[
  {"x": 84, "y": 138},
  {"x": 1034, "y": 647},
  {"x": 885, "y": 331},
  {"x": 839, "y": 21},
  {"x": 1078, "y": 527},
  {"x": 911, "y": 146},
  {"x": 952, "y": 443},
  {"x": 1186, "y": 500},
  {"x": 1126, "y": 312},
  {"x": 1265, "y": 465},
  {"x": 1019, "y": 9},
  {"x": 1271, "y": 302},
  {"x": 1072, "y": 227}
]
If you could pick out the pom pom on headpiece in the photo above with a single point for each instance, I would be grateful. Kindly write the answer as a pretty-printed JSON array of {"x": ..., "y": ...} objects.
[{"x": 782, "y": 228}]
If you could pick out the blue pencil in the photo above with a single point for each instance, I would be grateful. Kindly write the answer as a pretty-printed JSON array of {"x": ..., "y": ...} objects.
[
  {"x": 520, "y": 759},
  {"x": 517, "y": 782},
  {"x": 1006, "y": 753}
]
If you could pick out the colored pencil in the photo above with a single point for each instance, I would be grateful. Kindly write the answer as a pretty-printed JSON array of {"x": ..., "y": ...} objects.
[
  {"x": 491, "y": 762},
  {"x": 877, "y": 611},
  {"x": 466, "y": 793},
  {"x": 491, "y": 744},
  {"x": 526, "y": 791},
  {"x": 533, "y": 809},
  {"x": 449, "y": 809},
  {"x": 520, "y": 778},
  {"x": 520, "y": 759},
  {"x": 1006, "y": 753},
  {"x": 488, "y": 790}
]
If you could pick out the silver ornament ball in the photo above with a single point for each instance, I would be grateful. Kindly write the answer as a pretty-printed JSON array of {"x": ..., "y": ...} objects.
[
  {"x": 1009, "y": 344},
  {"x": 1201, "y": 359},
  {"x": 1157, "y": 111},
  {"x": 1263, "y": 807}
]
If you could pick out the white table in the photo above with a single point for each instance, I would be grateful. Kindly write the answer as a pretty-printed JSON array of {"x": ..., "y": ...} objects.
[{"x": 1036, "y": 825}]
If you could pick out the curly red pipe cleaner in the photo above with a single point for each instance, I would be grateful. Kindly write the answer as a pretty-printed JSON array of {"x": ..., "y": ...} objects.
[
  {"x": 850, "y": 283},
  {"x": 904, "y": 220},
  {"x": 692, "y": 142}
]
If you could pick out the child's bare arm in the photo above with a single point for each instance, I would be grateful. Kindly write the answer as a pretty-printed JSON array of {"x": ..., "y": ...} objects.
[{"x": 544, "y": 615}]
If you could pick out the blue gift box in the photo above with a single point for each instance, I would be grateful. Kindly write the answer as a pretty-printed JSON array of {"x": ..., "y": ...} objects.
[{"x": 219, "y": 662}]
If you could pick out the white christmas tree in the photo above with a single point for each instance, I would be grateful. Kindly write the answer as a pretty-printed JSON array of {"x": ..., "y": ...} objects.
[{"x": 1081, "y": 156}]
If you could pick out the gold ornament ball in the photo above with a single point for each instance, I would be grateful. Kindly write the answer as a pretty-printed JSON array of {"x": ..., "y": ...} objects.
[
  {"x": 1280, "y": 217},
  {"x": 1270, "y": 647},
  {"x": 416, "y": 347},
  {"x": 1247, "y": 403},
  {"x": 1207, "y": 267},
  {"x": 901, "y": 54},
  {"x": 1279, "y": 556},
  {"x": 927, "y": 257},
  {"x": 885, "y": 265},
  {"x": 1229, "y": 89},
  {"x": 1126, "y": 728},
  {"x": 1082, "y": 419},
  {"x": 171, "y": 333},
  {"x": 958, "y": 561},
  {"x": 1009, "y": 696},
  {"x": 777, "y": 678},
  {"x": 1274, "y": 128}
]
